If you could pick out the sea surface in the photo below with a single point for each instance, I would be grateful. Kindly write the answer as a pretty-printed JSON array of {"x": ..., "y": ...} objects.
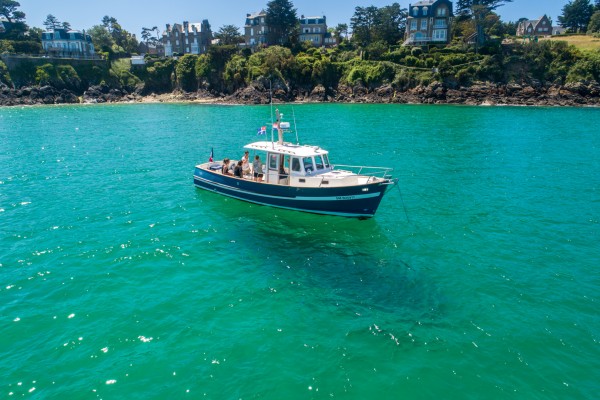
[{"x": 479, "y": 278}]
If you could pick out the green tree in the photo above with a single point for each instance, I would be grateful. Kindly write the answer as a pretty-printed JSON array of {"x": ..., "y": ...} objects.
[
  {"x": 185, "y": 71},
  {"x": 16, "y": 27},
  {"x": 282, "y": 21},
  {"x": 341, "y": 32},
  {"x": 371, "y": 24},
  {"x": 576, "y": 15},
  {"x": 236, "y": 70},
  {"x": 594, "y": 25},
  {"x": 390, "y": 24},
  {"x": 51, "y": 22},
  {"x": 36, "y": 34},
  {"x": 229, "y": 34},
  {"x": 8, "y": 9},
  {"x": 101, "y": 38},
  {"x": 362, "y": 23},
  {"x": 477, "y": 10},
  {"x": 149, "y": 38},
  {"x": 111, "y": 38}
]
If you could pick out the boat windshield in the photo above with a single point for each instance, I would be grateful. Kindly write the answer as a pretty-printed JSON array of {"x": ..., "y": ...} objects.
[
  {"x": 308, "y": 164},
  {"x": 326, "y": 159},
  {"x": 319, "y": 162}
]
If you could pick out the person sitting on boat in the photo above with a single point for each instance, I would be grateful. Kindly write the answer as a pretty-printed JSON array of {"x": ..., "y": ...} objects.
[
  {"x": 225, "y": 168},
  {"x": 257, "y": 166},
  {"x": 246, "y": 163},
  {"x": 237, "y": 171}
]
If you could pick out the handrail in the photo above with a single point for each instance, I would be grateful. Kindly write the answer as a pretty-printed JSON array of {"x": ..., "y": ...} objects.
[{"x": 372, "y": 171}]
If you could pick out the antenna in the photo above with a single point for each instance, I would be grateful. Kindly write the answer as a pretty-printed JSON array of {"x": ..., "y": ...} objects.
[{"x": 271, "y": 98}]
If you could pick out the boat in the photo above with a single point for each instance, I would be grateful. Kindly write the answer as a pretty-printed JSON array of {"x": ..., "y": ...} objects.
[{"x": 299, "y": 177}]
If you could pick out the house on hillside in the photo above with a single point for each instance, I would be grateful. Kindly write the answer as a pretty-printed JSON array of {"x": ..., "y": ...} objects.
[
  {"x": 60, "y": 42},
  {"x": 186, "y": 38},
  {"x": 535, "y": 27},
  {"x": 314, "y": 30},
  {"x": 429, "y": 22},
  {"x": 256, "y": 29}
]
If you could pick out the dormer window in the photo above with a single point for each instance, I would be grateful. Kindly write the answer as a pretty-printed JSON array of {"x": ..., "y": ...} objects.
[
  {"x": 415, "y": 11},
  {"x": 425, "y": 9},
  {"x": 441, "y": 12}
]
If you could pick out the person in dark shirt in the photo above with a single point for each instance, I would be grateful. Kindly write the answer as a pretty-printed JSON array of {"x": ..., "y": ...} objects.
[
  {"x": 225, "y": 168},
  {"x": 238, "y": 171}
]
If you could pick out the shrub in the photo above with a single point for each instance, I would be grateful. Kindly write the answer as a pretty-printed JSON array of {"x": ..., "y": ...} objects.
[
  {"x": 69, "y": 77},
  {"x": 4, "y": 75},
  {"x": 185, "y": 72}
]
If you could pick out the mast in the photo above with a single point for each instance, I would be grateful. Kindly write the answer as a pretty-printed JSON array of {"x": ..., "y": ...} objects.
[{"x": 279, "y": 130}]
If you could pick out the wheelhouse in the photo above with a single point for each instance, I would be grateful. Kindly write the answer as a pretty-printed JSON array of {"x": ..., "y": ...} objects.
[{"x": 290, "y": 160}]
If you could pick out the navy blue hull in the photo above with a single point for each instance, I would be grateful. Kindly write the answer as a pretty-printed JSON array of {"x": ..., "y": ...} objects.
[{"x": 356, "y": 201}]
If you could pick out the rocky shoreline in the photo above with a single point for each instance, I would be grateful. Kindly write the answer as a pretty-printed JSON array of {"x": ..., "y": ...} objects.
[{"x": 578, "y": 94}]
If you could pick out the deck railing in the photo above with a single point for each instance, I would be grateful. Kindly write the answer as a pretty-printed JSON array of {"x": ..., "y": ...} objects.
[{"x": 378, "y": 172}]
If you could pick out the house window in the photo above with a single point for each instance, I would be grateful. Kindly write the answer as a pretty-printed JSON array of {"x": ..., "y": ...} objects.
[
  {"x": 440, "y": 23},
  {"x": 425, "y": 9},
  {"x": 423, "y": 24},
  {"x": 441, "y": 12},
  {"x": 544, "y": 22},
  {"x": 415, "y": 11},
  {"x": 413, "y": 25},
  {"x": 439, "y": 34}
]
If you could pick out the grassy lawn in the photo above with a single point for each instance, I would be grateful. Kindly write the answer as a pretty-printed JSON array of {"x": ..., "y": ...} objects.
[{"x": 580, "y": 41}]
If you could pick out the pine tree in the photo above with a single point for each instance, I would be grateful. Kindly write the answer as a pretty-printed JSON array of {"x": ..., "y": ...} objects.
[
  {"x": 478, "y": 10},
  {"x": 282, "y": 22}
]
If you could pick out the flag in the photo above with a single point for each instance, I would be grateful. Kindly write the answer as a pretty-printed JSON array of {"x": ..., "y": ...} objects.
[
  {"x": 210, "y": 159},
  {"x": 262, "y": 130},
  {"x": 274, "y": 125}
]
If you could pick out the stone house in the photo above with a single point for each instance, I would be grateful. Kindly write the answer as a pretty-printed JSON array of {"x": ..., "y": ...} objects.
[
  {"x": 60, "y": 42},
  {"x": 429, "y": 22},
  {"x": 186, "y": 38},
  {"x": 256, "y": 29},
  {"x": 535, "y": 27},
  {"x": 314, "y": 30}
]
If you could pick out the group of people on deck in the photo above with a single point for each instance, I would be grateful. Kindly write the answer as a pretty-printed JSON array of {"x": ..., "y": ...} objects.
[{"x": 242, "y": 168}]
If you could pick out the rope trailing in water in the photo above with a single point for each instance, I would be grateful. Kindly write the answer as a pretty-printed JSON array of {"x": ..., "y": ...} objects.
[{"x": 402, "y": 199}]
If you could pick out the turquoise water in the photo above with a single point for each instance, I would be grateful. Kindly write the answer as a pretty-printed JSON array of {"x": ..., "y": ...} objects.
[{"x": 119, "y": 279}]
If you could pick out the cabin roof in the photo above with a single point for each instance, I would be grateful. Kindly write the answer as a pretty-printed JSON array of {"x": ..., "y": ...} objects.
[{"x": 287, "y": 148}]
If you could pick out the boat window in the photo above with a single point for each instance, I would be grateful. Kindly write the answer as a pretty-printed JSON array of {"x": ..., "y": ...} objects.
[
  {"x": 319, "y": 162},
  {"x": 273, "y": 161},
  {"x": 326, "y": 159},
  {"x": 295, "y": 165},
  {"x": 308, "y": 164},
  {"x": 286, "y": 163}
]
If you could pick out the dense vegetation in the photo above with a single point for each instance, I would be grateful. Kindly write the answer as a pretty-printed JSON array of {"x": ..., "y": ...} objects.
[{"x": 225, "y": 69}]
